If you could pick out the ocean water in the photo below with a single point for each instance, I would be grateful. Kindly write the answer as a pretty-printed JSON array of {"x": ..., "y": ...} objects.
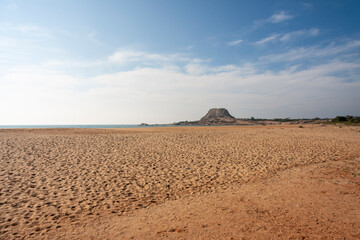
[{"x": 80, "y": 126}]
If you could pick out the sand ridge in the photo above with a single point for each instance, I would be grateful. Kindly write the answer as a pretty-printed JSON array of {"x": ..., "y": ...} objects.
[{"x": 50, "y": 177}]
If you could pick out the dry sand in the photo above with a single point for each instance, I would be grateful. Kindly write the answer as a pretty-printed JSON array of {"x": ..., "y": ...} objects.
[{"x": 181, "y": 183}]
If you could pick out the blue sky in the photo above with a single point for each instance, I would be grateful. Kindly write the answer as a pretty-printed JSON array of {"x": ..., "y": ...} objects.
[{"x": 104, "y": 62}]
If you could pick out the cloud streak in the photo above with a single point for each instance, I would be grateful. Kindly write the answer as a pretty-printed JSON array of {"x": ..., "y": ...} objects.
[
  {"x": 280, "y": 17},
  {"x": 234, "y": 43},
  {"x": 271, "y": 38},
  {"x": 313, "y": 52},
  {"x": 128, "y": 56},
  {"x": 30, "y": 31},
  {"x": 276, "y": 18},
  {"x": 296, "y": 34},
  {"x": 286, "y": 37}
]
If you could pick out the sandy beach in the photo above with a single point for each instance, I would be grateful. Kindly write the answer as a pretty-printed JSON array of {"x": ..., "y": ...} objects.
[{"x": 234, "y": 182}]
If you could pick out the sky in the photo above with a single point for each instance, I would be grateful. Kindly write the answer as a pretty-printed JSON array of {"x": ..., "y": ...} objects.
[{"x": 164, "y": 61}]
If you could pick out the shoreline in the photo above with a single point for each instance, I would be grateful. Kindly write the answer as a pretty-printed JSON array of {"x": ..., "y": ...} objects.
[{"x": 110, "y": 126}]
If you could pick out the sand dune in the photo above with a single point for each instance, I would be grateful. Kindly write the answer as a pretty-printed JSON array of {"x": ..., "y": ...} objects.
[{"x": 54, "y": 180}]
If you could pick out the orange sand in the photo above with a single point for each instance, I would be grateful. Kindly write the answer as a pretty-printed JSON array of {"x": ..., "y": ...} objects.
[{"x": 88, "y": 183}]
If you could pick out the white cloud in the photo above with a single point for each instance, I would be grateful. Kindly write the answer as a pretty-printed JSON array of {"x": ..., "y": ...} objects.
[
  {"x": 280, "y": 17},
  {"x": 32, "y": 30},
  {"x": 271, "y": 38},
  {"x": 288, "y": 36},
  {"x": 195, "y": 69},
  {"x": 271, "y": 89},
  {"x": 38, "y": 77},
  {"x": 296, "y": 34},
  {"x": 234, "y": 43},
  {"x": 245, "y": 70},
  {"x": 73, "y": 64},
  {"x": 314, "y": 31},
  {"x": 125, "y": 56},
  {"x": 160, "y": 94},
  {"x": 313, "y": 52},
  {"x": 161, "y": 88},
  {"x": 36, "y": 95},
  {"x": 128, "y": 56}
]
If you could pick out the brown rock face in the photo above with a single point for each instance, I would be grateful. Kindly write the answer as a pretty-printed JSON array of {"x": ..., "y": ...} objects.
[{"x": 218, "y": 115}]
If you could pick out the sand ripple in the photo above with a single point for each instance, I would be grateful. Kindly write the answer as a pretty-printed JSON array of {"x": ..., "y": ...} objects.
[{"x": 48, "y": 177}]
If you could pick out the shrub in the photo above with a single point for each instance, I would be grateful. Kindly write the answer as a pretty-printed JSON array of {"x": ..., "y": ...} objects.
[{"x": 339, "y": 119}]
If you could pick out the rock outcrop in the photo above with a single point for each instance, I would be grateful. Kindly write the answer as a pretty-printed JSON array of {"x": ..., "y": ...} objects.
[{"x": 218, "y": 115}]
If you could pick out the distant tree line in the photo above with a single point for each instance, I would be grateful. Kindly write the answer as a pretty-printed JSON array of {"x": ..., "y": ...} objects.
[
  {"x": 339, "y": 119},
  {"x": 346, "y": 119},
  {"x": 283, "y": 119}
]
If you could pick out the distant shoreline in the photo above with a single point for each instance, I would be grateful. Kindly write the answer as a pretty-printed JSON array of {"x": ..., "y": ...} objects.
[{"x": 95, "y": 126}]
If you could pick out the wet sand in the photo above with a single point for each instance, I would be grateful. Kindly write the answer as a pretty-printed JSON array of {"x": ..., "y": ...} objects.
[{"x": 92, "y": 183}]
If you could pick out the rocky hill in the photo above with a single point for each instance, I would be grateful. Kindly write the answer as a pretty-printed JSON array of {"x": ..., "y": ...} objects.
[{"x": 217, "y": 115}]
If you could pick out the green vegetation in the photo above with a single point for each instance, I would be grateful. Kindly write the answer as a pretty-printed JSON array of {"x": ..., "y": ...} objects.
[
  {"x": 348, "y": 120},
  {"x": 283, "y": 119}
]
